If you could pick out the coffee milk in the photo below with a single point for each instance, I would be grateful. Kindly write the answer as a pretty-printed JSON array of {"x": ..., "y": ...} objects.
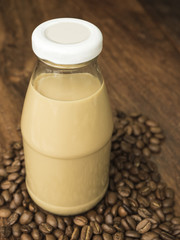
[{"x": 66, "y": 126}]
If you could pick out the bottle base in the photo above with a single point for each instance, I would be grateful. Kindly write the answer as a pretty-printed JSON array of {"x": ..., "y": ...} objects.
[{"x": 65, "y": 211}]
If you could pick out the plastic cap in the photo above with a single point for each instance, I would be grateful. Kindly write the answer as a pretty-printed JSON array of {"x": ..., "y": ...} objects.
[{"x": 67, "y": 41}]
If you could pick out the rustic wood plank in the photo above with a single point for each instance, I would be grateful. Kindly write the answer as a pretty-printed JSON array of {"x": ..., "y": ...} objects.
[
  {"x": 140, "y": 64},
  {"x": 165, "y": 14}
]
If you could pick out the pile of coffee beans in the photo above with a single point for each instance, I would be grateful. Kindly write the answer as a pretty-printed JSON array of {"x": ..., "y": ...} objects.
[{"x": 137, "y": 205}]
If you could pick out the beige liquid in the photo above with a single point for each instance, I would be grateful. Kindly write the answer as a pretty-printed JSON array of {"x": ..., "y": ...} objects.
[{"x": 66, "y": 126}]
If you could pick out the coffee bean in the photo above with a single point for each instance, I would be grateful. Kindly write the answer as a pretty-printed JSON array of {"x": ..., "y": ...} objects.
[
  {"x": 122, "y": 212},
  {"x": 109, "y": 219},
  {"x": 26, "y": 236},
  {"x": 50, "y": 237},
  {"x": 91, "y": 215},
  {"x": 96, "y": 227},
  {"x": 5, "y": 232},
  {"x": 36, "y": 234},
  {"x": 131, "y": 222},
  {"x": 6, "y": 185},
  {"x": 75, "y": 234},
  {"x": 18, "y": 197},
  {"x": 52, "y": 220},
  {"x": 112, "y": 198},
  {"x": 132, "y": 234},
  {"x": 168, "y": 202},
  {"x": 125, "y": 224},
  {"x": 67, "y": 220},
  {"x": 32, "y": 207},
  {"x": 61, "y": 224},
  {"x": 99, "y": 218},
  {"x": 175, "y": 220},
  {"x": 45, "y": 228},
  {"x": 12, "y": 219},
  {"x": 143, "y": 212},
  {"x": 80, "y": 221},
  {"x": 169, "y": 193},
  {"x": 109, "y": 229},
  {"x": 146, "y": 152},
  {"x": 154, "y": 148},
  {"x": 142, "y": 201},
  {"x": 86, "y": 232},
  {"x": 118, "y": 236},
  {"x": 166, "y": 236},
  {"x": 5, "y": 212},
  {"x": 149, "y": 236},
  {"x": 144, "y": 226},
  {"x": 1, "y": 200},
  {"x": 144, "y": 191},
  {"x": 155, "y": 204},
  {"x": 40, "y": 218},
  {"x": 3, "y": 172},
  {"x": 155, "y": 130},
  {"x": 107, "y": 236},
  {"x": 16, "y": 230},
  {"x": 97, "y": 237},
  {"x": 69, "y": 231},
  {"x": 26, "y": 217}
]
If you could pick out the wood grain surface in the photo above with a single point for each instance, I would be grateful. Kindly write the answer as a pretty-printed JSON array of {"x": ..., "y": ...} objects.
[{"x": 140, "y": 63}]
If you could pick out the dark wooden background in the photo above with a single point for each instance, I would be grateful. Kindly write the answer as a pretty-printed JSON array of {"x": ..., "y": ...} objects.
[{"x": 140, "y": 62}]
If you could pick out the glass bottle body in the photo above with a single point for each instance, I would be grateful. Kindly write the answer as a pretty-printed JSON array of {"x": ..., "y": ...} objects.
[{"x": 66, "y": 126}]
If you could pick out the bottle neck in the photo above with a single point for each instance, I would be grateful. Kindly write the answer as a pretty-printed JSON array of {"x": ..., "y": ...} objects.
[{"x": 73, "y": 66}]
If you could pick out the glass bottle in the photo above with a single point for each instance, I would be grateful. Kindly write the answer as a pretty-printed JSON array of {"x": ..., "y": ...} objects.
[{"x": 66, "y": 120}]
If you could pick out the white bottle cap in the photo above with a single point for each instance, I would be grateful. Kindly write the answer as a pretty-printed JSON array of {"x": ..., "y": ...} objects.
[{"x": 67, "y": 41}]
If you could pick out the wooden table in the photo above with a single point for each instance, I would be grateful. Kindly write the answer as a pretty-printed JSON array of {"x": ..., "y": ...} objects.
[{"x": 140, "y": 62}]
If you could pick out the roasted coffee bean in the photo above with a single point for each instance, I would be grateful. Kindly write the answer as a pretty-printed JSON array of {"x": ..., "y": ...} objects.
[
  {"x": 6, "y": 185},
  {"x": 132, "y": 234},
  {"x": 75, "y": 234},
  {"x": 32, "y": 225},
  {"x": 168, "y": 202},
  {"x": 109, "y": 219},
  {"x": 160, "y": 214},
  {"x": 80, "y": 221},
  {"x": 175, "y": 220},
  {"x": 155, "y": 204},
  {"x": 5, "y": 212},
  {"x": 16, "y": 230},
  {"x": 122, "y": 212},
  {"x": 12, "y": 219},
  {"x": 154, "y": 148},
  {"x": 97, "y": 237},
  {"x": 149, "y": 236},
  {"x": 6, "y": 195},
  {"x": 112, "y": 198},
  {"x": 45, "y": 228},
  {"x": 144, "y": 226},
  {"x": 166, "y": 236},
  {"x": 118, "y": 236},
  {"x": 3, "y": 172},
  {"x": 61, "y": 224},
  {"x": 50, "y": 237},
  {"x": 36, "y": 234},
  {"x": 25, "y": 229},
  {"x": 26, "y": 217},
  {"x": 107, "y": 236},
  {"x": 125, "y": 224},
  {"x": 131, "y": 222},
  {"x": 114, "y": 210},
  {"x": 26, "y": 236},
  {"x": 91, "y": 215},
  {"x": 67, "y": 220},
  {"x": 109, "y": 229},
  {"x": 5, "y": 232},
  {"x": 69, "y": 231},
  {"x": 52, "y": 220},
  {"x": 142, "y": 201},
  {"x": 32, "y": 207},
  {"x": 40, "y": 218},
  {"x": 18, "y": 197},
  {"x": 19, "y": 210},
  {"x": 86, "y": 232},
  {"x": 144, "y": 191},
  {"x": 143, "y": 212},
  {"x": 96, "y": 227},
  {"x": 169, "y": 193}
]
